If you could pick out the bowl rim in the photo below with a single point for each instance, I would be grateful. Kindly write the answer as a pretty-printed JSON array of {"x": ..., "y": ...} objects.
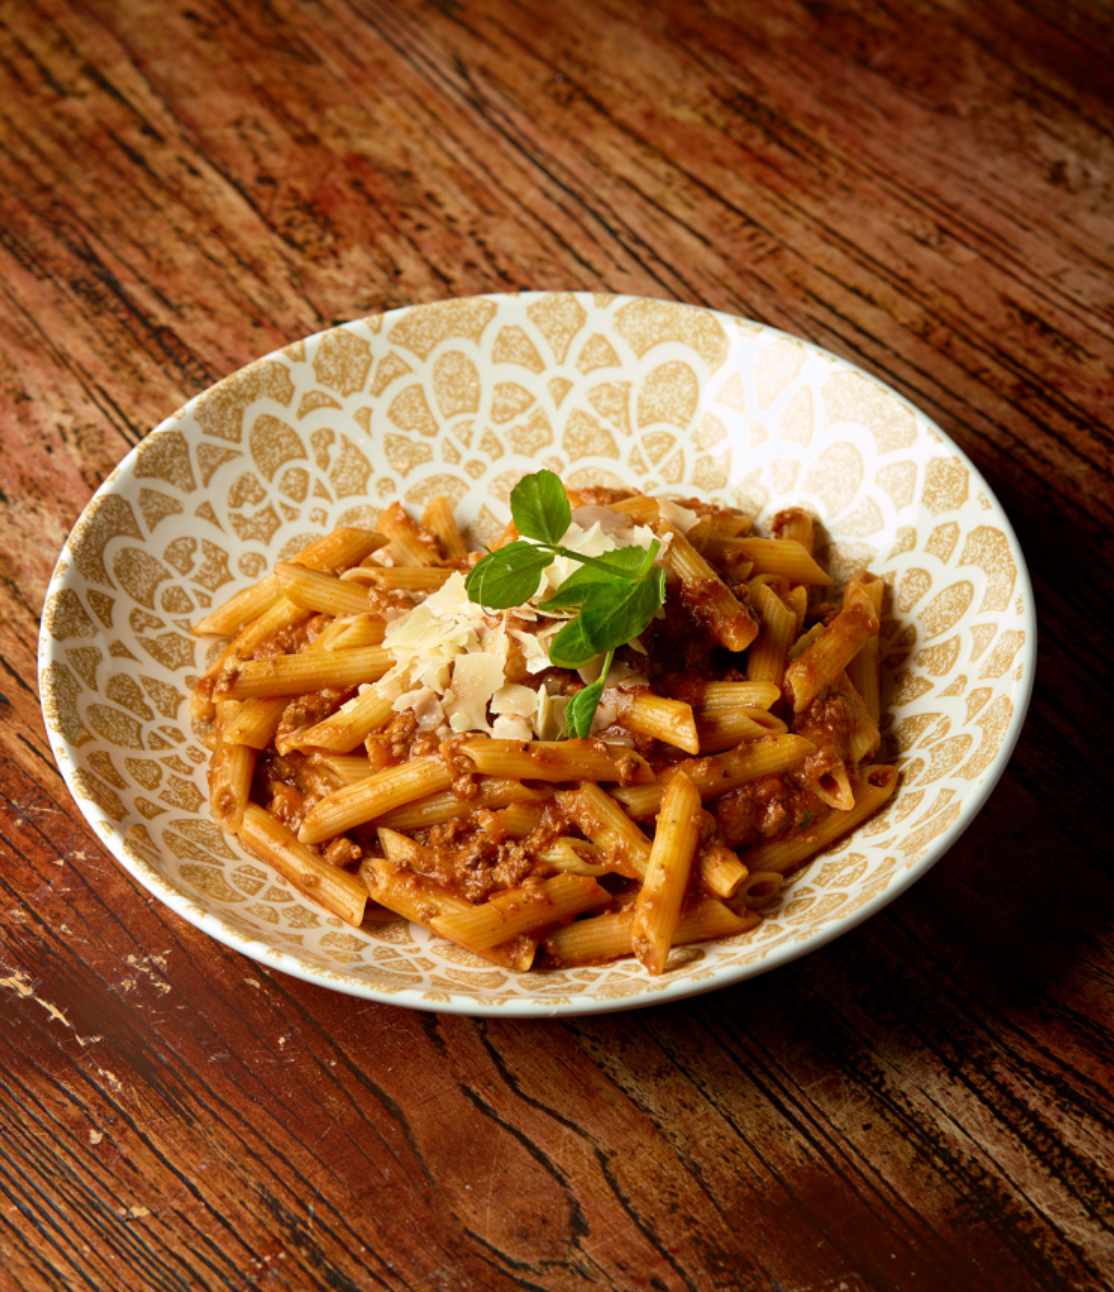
[{"x": 111, "y": 838}]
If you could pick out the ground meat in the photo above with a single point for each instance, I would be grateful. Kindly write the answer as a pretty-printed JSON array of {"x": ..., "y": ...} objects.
[
  {"x": 764, "y": 809},
  {"x": 677, "y": 641},
  {"x": 290, "y": 787},
  {"x": 601, "y": 496},
  {"x": 687, "y": 686},
  {"x": 445, "y": 835},
  {"x": 628, "y": 767},
  {"x": 464, "y": 784},
  {"x": 290, "y": 640},
  {"x": 827, "y": 722},
  {"x": 379, "y": 601},
  {"x": 425, "y": 746},
  {"x": 343, "y": 852},
  {"x": 392, "y": 746},
  {"x": 471, "y": 862},
  {"x": 307, "y": 710},
  {"x": 287, "y": 803},
  {"x": 786, "y": 519}
]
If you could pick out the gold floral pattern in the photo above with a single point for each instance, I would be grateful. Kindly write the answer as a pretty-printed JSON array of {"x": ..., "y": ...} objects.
[{"x": 464, "y": 397}]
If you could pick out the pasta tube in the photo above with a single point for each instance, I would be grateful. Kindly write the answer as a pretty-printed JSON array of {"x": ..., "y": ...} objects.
[
  {"x": 659, "y": 900},
  {"x": 335, "y": 889}
]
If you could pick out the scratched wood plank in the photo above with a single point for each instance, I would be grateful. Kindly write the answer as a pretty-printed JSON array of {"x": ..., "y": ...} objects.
[{"x": 926, "y": 1103}]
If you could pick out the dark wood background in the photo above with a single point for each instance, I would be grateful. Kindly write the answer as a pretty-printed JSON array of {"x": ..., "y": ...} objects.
[{"x": 924, "y": 187}]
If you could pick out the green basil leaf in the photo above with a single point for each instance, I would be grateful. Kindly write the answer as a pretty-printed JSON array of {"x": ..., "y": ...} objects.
[
  {"x": 540, "y": 507},
  {"x": 575, "y": 588},
  {"x": 582, "y": 709},
  {"x": 618, "y": 566},
  {"x": 508, "y": 577},
  {"x": 569, "y": 649},
  {"x": 623, "y": 563},
  {"x": 613, "y": 614}
]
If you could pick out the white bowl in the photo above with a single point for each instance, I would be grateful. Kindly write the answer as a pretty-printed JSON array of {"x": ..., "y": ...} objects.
[{"x": 462, "y": 398}]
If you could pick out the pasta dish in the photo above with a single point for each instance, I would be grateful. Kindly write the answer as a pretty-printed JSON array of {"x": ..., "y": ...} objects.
[{"x": 616, "y": 733}]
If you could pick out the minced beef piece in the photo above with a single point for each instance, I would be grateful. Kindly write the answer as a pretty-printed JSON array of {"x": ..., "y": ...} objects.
[
  {"x": 392, "y": 746},
  {"x": 308, "y": 710}
]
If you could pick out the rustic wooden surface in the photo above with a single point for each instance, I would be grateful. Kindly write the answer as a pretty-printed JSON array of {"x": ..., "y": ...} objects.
[{"x": 924, "y": 188}]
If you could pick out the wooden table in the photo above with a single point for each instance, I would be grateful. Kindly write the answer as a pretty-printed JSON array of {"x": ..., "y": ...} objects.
[{"x": 923, "y": 188}]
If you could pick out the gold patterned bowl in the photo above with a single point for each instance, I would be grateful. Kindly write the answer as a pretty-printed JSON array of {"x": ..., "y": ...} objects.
[{"x": 462, "y": 398}]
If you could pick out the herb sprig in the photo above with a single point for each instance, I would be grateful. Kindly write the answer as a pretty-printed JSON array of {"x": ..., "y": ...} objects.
[{"x": 615, "y": 596}]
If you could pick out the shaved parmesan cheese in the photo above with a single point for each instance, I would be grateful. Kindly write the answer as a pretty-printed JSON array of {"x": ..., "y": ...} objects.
[
  {"x": 507, "y": 728},
  {"x": 516, "y": 701},
  {"x": 682, "y": 517},
  {"x": 450, "y": 599},
  {"x": 550, "y": 719},
  {"x": 604, "y": 716},
  {"x": 476, "y": 678},
  {"x": 425, "y": 704},
  {"x": 622, "y": 675},
  {"x": 534, "y": 653}
]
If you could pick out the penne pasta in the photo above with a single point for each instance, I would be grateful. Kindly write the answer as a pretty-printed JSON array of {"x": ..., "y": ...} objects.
[
  {"x": 606, "y": 937},
  {"x": 758, "y": 889},
  {"x": 407, "y": 540},
  {"x": 721, "y": 773},
  {"x": 310, "y": 671},
  {"x": 521, "y": 910},
  {"x": 348, "y": 727},
  {"x": 333, "y": 888},
  {"x": 420, "y": 900},
  {"x": 669, "y": 721},
  {"x": 797, "y": 601},
  {"x": 255, "y": 724},
  {"x": 335, "y": 551},
  {"x": 862, "y": 670},
  {"x": 517, "y": 821},
  {"x": 766, "y": 661},
  {"x": 606, "y": 825},
  {"x": 346, "y": 769},
  {"x": 720, "y": 870},
  {"x": 784, "y": 556},
  {"x": 409, "y": 721},
  {"x": 435, "y": 809},
  {"x": 408, "y": 578},
  {"x": 573, "y": 857},
  {"x": 320, "y": 592},
  {"x": 439, "y": 520},
  {"x": 864, "y": 734},
  {"x": 707, "y": 595},
  {"x": 735, "y": 695},
  {"x": 818, "y": 666},
  {"x": 726, "y": 729},
  {"x": 230, "y": 773},
  {"x": 368, "y": 799},
  {"x": 360, "y": 630},
  {"x": 552, "y": 760},
  {"x": 658, "y": 905},
  {"x": 794, "y": 524},
  {"x": 833, "y": 786}
]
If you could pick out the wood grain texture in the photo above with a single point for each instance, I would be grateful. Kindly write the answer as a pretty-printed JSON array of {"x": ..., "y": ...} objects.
[{"x": 924, "y": 189}]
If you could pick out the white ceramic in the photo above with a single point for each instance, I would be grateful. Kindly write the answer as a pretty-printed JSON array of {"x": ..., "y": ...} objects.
[{"x": 464, "y": 397}]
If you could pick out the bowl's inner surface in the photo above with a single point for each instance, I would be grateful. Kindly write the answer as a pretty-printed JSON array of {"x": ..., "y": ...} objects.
[{"x": 462, "y": 398}]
